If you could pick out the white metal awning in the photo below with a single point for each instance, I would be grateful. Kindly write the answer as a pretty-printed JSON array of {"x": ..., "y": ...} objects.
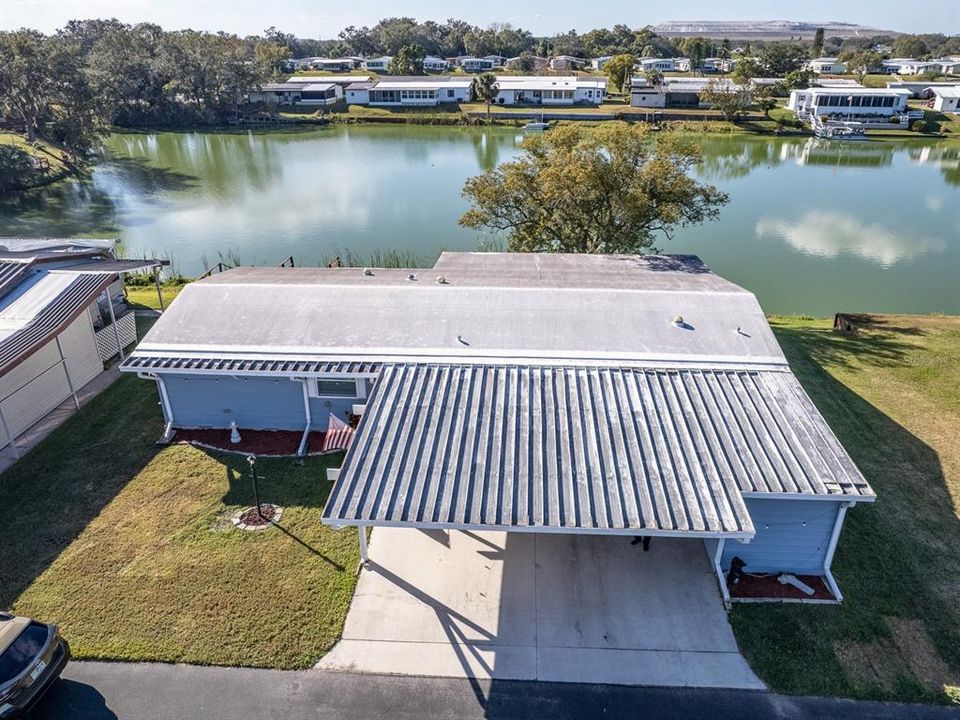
[{"x": 596, "y": 450}]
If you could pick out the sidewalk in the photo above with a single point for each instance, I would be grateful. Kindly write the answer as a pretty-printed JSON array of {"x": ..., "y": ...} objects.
[{"x": 125, "y": 691}]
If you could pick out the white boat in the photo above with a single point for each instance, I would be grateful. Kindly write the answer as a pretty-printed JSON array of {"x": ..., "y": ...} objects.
[{"x": 535, "y": 126}]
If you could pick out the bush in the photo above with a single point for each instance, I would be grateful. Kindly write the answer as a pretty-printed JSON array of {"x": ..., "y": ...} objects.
[
  {"x": 17, "y": 169},
  {"x": 919, "y": 126}
]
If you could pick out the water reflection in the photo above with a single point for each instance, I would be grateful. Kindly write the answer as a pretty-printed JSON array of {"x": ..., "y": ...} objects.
[
  {"x": 735, "y": 157},
  {"x": 831, "y": 234},
  {"x": 811, "y": 227}
]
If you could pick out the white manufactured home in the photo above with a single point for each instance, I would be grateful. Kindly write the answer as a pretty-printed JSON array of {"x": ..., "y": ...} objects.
[
  {"x": 945, "y": 99},
  {"x": 62, "y": 316},
  {"x": 423, "y": 91},
  {"x": 550, "y": 90},
  {"x": 616, "y": 396},
  {"x": 848, "y": 102},
  {"x": 827, "y": 66},
  {"x": 435, "y": 64},
  {"x": 378, "y": 64}
]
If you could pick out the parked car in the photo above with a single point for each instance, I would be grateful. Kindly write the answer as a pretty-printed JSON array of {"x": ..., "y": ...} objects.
[{"x": 32, "y": 656}]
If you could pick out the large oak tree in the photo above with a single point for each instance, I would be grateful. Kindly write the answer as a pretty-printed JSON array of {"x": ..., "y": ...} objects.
[{"x": 612, "y": 189}]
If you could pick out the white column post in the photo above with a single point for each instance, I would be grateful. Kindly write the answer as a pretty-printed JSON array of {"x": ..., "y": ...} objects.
[
  {"x": 167, "y": 407},
  {"x": 66, "y": 372},
  {"x": 362, "y": 534},
  {"x": 156, "y": 277},
  {"x": 113, "y": 320},
  {"x": 717, "y": 557},
  {"x": 6, "y": 429},
  {"x": 306, "y": 409}
]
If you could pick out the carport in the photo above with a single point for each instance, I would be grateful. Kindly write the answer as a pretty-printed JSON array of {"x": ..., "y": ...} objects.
[{"x": 526, "y": 484}]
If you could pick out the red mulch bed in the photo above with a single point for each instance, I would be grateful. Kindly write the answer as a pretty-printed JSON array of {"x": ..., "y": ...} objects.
[
  {"x": 252, "y": 517},
  {"x": 252, "y": 442},
  {"x": 767, "y": 587}
]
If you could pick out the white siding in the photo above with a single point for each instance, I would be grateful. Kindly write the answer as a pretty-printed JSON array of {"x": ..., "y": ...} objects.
[{"x": 38, "y": 384}]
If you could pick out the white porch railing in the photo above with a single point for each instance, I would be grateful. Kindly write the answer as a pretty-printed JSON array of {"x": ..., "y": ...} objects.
[{"x": 107, "y": 338}]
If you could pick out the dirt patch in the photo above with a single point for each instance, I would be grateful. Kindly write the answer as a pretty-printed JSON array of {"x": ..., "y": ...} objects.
[
  {"x": 919, "y": 653},
  {"x": 867, "y": 664},
  {"x": 909, "y": 646}
]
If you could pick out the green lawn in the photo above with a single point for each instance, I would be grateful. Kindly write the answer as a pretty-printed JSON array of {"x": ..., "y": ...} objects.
[
  {"x": 891, "y": 392},
  {"x": 129, "y": 546},
  {"x": 146, "y": 295}
]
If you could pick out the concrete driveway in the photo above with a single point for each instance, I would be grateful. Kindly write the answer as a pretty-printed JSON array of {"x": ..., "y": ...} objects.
[{"x": 524, "y": 606}]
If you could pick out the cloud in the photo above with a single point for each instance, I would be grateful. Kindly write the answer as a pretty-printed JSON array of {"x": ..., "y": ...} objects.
[
  {"x": 831, "y": 234},
  {"x": 933, "y": 202}
]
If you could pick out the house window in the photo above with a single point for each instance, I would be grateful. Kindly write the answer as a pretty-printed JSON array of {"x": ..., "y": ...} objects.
[
  {"x": 336, "y": 387},
  {"x": 449, "y": 93}
]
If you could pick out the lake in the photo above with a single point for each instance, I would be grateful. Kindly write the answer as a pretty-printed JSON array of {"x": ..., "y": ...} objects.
[{"x": 812, "y": 227}]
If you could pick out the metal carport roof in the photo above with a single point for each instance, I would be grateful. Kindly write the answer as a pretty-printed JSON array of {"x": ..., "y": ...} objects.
[
  {"x": 585, "y": 449},
  {"x": 535, "y": 448}
]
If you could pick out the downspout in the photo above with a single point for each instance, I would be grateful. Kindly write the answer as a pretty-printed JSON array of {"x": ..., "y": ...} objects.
[
  {"x": 832, "y": 548},
  {"x": 301, "y": 451},
  {"x": 164, "y": 403}
]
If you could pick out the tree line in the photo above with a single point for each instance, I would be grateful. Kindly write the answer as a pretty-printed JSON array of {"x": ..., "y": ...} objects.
[{"x": 70, "y": 87}]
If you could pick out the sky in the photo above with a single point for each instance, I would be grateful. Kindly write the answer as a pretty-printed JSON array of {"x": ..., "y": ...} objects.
[{"x": 325, "y": 18}]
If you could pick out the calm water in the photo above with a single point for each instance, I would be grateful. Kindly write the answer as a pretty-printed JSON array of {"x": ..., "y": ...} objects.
[{"x": 811, "y": 228}]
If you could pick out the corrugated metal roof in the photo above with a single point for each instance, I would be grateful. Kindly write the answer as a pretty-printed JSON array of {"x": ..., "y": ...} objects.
[
  {"x": 584, "y": 449},
  {"x": 11, "y": 274},
  {"x": 43, "y": 310}
]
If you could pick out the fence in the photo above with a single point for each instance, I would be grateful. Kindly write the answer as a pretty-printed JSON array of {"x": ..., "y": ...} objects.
[{"x": 126, "y": 327}]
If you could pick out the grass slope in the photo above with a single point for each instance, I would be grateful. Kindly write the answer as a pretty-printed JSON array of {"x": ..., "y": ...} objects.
[{"x": 891, "y": 392}]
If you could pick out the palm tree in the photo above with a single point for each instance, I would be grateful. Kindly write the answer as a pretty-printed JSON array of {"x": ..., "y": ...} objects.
[
  {"x": 484, "y": 87},
  {"x": 655, "y": 77}
]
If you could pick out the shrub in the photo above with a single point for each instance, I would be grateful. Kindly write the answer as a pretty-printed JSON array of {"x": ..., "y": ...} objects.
[{"x": 17, "y": 169}]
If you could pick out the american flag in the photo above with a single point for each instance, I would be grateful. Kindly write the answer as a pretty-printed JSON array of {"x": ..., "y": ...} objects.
[{"x": 338, "y": 435}]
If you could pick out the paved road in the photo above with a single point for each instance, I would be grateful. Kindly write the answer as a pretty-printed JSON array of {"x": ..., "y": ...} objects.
[{"x": 109, "y": 691}]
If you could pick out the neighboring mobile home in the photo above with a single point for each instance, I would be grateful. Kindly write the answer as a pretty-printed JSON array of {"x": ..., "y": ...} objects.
[
  {"x": 945, "y": 99},
  {"x": 550, "y": 90},
  {"x": 410, "y": 91},
  {"x": 378, "y": 64},
  {"x": 827, "y": 66},
  {"x": 849, "y": 102},
  {"x": 62, "y": 315},
  {"x": 612, "y": 395}
]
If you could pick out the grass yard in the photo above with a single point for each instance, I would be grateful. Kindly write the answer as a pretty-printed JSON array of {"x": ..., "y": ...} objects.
[
  {"x": 146, "y": 295},
  {"x": 129, "y": 545},
  {"x": 891, "y": 392}
]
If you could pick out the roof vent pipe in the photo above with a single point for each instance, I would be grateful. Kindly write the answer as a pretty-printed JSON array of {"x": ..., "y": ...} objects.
[
  {"x": 678, "y": 321},
  {"x": 411, "y": 277},
  {"x": 441, "y": 280},
  {"x": 367, "y": 271}
]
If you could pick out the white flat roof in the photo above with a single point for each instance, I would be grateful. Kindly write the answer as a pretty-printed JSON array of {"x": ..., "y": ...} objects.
[
  {"x": 318, "y": 87},
  {"x": 856, "y": 91},
  {"x": 426, "y": 84},
  {"x": 492, "y": 307},
  {"x": 548, "y": 82}
]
